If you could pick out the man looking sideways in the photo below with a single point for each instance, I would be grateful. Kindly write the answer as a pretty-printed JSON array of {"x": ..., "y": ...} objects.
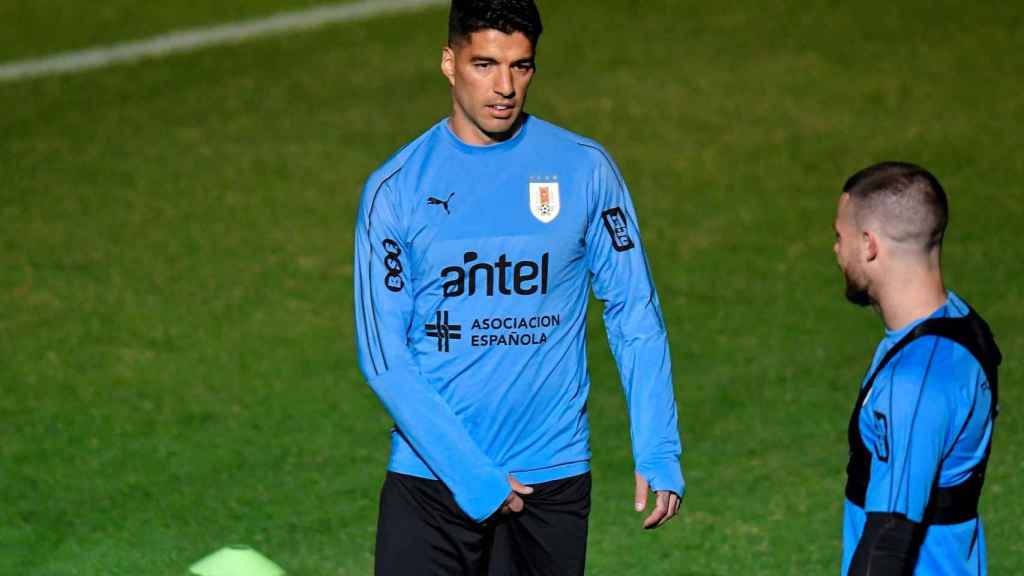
[
  {"x": 921, "y": 428},
  {"x": 477, "y": 245}
]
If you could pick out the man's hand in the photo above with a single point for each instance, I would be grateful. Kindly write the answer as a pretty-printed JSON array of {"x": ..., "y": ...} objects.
[
  {"x": 514, "y": 504},
  {"x": 666, "y": 504}
]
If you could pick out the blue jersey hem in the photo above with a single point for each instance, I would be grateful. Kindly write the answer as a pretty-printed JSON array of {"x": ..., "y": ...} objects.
[{"x": 530, "y": 476}]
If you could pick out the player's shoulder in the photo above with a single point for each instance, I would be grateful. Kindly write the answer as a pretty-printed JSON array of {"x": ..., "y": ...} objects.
[
  {"x": 938, "y": 366},
  {"x": 933, "y": 353},
  {"x": 406, "y": 157},
  {"x": 550, "y": 131},
  {"x": 943, "y": 354},
  {"x": 579, "y": 147}
]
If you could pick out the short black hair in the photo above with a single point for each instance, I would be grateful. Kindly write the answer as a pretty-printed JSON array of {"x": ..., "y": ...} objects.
[
  {"x": 507, "y": 16},
  {"x": 907, "y": 201}
]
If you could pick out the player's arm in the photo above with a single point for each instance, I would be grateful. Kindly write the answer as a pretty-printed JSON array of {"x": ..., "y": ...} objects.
[
  {"x": 910, "y": 415},
  {"x": 383, "y": 316},
  {"x": 639, "y": 343},
  {"x": 888, "y": 546}
]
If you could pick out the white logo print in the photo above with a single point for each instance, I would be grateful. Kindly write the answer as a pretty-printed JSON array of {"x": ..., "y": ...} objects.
[
  {"x": 544, "y": 201},
  {"x": 867, "y": 397}
]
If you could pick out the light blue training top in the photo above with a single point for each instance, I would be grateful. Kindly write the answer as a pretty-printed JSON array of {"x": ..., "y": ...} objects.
[
  {"x": 473, "y": 269},
  {"x": 927, "y": 418}
]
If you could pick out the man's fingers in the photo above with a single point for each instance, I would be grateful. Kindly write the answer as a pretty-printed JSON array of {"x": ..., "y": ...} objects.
[
  {"x": 519, "y": 487},
  {"x": 640, "y": 493},
  {"x": 659, "y": 512},
  {"x": 513, "y": 504},
  {"x": 673, "y": 507},
  {"x": 666, "y": 504}
]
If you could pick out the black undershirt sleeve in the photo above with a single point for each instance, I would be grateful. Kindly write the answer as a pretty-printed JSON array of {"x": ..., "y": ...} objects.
[{"x": 888, "y": 546}]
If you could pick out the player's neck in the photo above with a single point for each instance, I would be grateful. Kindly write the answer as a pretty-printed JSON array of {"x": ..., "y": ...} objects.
[{"x": 911, "y": 296}]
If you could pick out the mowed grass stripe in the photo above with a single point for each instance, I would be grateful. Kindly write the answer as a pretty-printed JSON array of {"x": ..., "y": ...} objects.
[{"x": 198, "y": 38}]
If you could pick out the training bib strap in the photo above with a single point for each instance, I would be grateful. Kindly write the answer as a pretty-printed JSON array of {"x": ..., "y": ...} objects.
[{"x": 947, "y": 505}]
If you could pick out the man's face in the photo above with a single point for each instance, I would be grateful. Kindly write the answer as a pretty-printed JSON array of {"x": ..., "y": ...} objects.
[
  {"x": 848, "y": 249},
  {"x": 489, "y": 73}
]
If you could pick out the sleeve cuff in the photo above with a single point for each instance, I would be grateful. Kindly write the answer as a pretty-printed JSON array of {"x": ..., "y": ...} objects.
[
  {"x": 666, "y": 475},
  {"x": 481, "y": 500}
]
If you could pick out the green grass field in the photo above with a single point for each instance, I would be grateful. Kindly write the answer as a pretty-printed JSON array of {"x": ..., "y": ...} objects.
[{"x": 177, "y": 362}]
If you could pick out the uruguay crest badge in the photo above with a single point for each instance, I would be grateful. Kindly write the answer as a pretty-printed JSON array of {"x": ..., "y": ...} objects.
[{"x": 544, "y": 201}]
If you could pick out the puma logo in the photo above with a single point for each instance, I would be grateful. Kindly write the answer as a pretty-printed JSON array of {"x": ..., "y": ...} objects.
[{"x": 431, "y": 201}]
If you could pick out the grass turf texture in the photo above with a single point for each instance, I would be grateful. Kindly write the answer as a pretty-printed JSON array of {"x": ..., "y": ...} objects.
[{"x": 176, "y": 342}]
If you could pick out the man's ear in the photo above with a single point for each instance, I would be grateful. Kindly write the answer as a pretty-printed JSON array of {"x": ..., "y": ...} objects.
[
  {"x": 448, "y": 64},
  {"x": 870, "y": 245}
]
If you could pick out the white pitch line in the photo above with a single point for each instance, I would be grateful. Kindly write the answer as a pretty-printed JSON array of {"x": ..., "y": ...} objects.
[{"x": 196, "y": 38}]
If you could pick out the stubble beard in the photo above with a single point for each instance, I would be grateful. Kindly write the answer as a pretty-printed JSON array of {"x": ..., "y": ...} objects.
[
  {"x": 503, "y": 133},
  {"x": 857, "y": 293},
  {"x": 495, "y": 133}
]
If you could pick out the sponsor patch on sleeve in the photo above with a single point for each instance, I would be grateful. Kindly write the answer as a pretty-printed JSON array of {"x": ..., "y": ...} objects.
[
  {"x": 393, "y": 281},
  {"x": 881, "y": 437},
  {"x": 617, "y": 225}
]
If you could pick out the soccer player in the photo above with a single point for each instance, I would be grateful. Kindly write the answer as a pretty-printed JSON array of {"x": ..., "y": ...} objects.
[
  {"x": 477, "y": 245},
  {"x": 921, "y": 428}
]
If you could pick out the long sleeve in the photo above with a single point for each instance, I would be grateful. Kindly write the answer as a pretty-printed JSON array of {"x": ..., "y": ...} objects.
[
  {"x": 888, "y": 546},
  {"x": 636, "y": 332},
  {"x": 384, "y": 314}
]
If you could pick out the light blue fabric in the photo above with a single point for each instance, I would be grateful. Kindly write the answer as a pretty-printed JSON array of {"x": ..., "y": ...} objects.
[
  {"x": 470, "y": 311},
  {"x": 927, "y": 416}
]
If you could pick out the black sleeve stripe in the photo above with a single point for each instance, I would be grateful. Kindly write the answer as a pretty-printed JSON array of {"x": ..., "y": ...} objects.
[
  {"x": 373, "y": 306},
  {"x": 892, "y": 426},
  {"x": 367, "y": 335},
  {"x": 369, "y": 282},
  {"x": 611, "y": 164},
  {"x": 913, "y": 420}
]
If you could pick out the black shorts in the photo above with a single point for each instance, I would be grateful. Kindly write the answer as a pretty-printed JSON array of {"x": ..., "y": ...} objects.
[{"x": 421, "y": 530}]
